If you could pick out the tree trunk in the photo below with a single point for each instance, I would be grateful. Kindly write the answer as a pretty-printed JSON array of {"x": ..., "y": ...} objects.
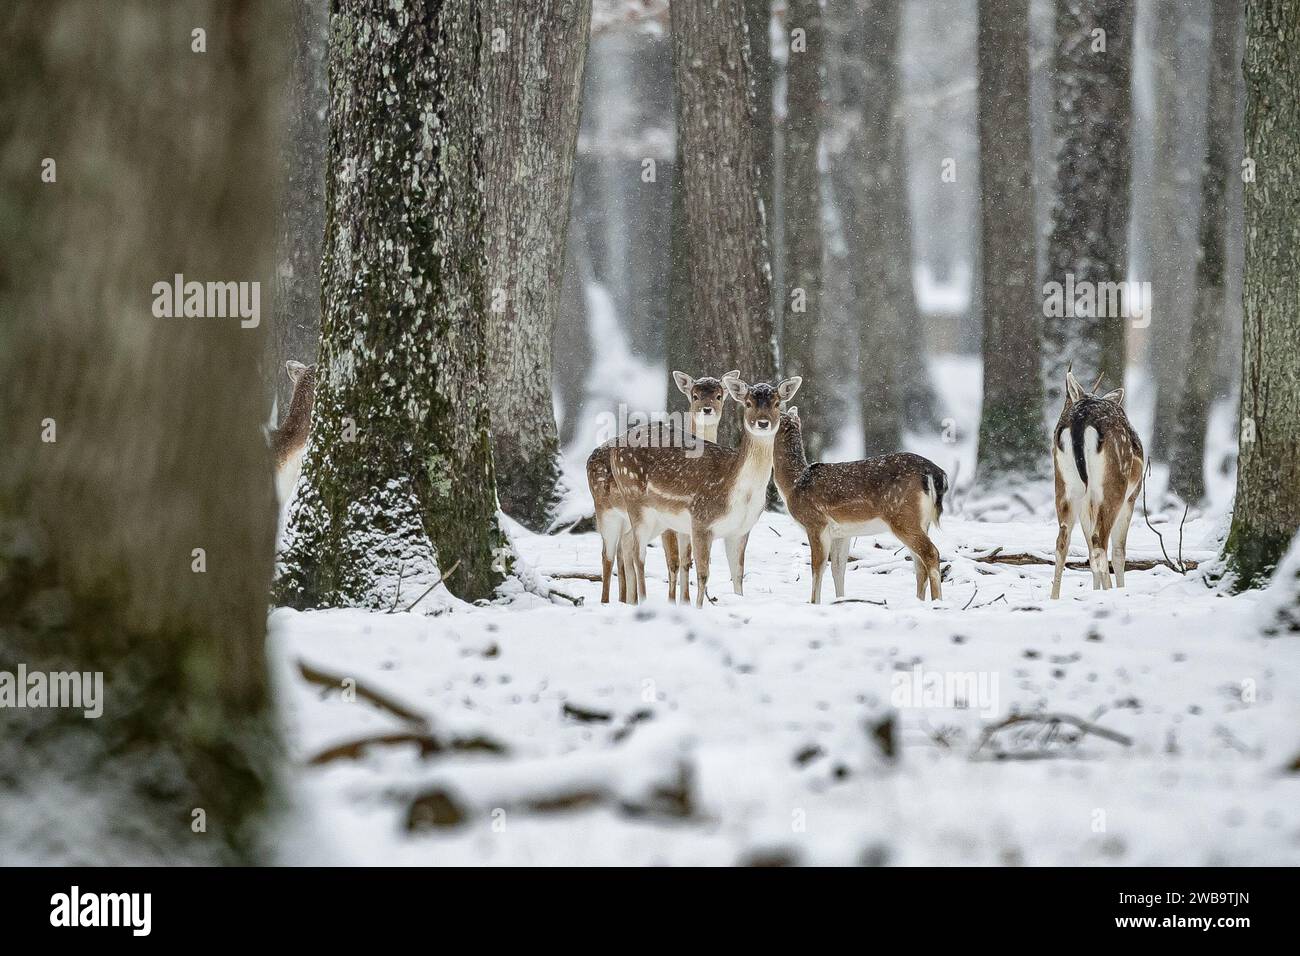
[
  {"x": 1172, "y": 219},
  {"x": 726, "y": 318},
  {"x": 1011, "y": 417},
  {"x": 1267, "y": 510},
  {"x": 532, "y": 75},
  {"x": 758, "y": 26},
  {"x": 136, "y": 509},
  {"x": 876, "y": 224},
  {"x": 801, "y": 304},
  {"x": 1187, "y": 472},
  {"x": 295, "y": 323},
  {"x": 399, "y": 472},
  {"x": 1090, "y": 220}
]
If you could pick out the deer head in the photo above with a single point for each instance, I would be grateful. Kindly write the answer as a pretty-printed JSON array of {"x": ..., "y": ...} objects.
[
  {"x": 761, "y": 403},
  {"x": 1074, "y": 392},
  {"x": 706, "y": 396}
]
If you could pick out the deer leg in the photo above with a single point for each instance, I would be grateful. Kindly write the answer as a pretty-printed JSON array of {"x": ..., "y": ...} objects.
[
  {"x": 626, "y": 569},
  {"x": 1100, "y": 543},
  {"x": 673, "y": 560},
  {"x": 744, "y": 543},
  {"x": 1064, "y": 526},
  {"x": 1119, "y": 541},
  {"x": 701, "y": 542},
  {"x": 1087, "y": 521},
  {"x": 684, "y": 572},
  {"x": 925, "y": 560},
  {"x": 819, "y": 543},
  {"x": 608, "y": 529},
  {"x": 734, "y": 562},
  {"x": 839, "y": 561}
]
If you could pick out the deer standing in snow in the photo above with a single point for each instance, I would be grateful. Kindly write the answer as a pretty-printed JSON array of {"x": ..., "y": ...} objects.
[
  {"x": 1097, "y": 459},
  {"x": 706, "y": 395},
  {"x": 834, "y": 502},
  {"x": 706, "y": 491},
  {"x": 289, "y": 441}
]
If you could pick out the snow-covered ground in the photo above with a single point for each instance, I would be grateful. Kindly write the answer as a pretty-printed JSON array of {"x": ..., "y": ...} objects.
[{"x": 762, "y": 729}]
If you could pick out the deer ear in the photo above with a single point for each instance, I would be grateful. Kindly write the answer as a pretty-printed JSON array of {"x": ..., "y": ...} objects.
[
  {"x": 1072, "y": 387},
  {"x": 1117, "y": 396},
  {"x": 684, "y": 383},
  {"x": 793, "y": 412},
  {"x": 787, "y": 388},
  {"x": 737, "y": 389},
  {"x": 295, "y": 370}
]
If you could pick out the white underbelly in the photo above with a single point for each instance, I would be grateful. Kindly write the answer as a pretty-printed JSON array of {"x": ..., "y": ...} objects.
[{"x": 855, "y": 529}]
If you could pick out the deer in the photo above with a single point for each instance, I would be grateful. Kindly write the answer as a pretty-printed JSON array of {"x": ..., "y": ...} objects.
[
  {"x": 1097, "y": 461},
  {"x": 289, "y": 441},
  {"x": 706, "y": 396},
  {"x": 835, "y": 502},
  {"x": 707, "y": 490}
]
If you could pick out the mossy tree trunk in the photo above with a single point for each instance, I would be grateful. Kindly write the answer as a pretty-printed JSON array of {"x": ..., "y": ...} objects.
[
  {"x": 1092, "y": 123},
  {"x": 1011, "y": 417},
  {"x": 1187, "y": 462},
  {"x": 1267, "y": 509},
  {"x": 532, "y": 88},
  {"x": 137, "y": 514},
  {"x": 724, "y": 309},
  {"x": 802, "y": 328},
  {"x": 398, "y": 479}
]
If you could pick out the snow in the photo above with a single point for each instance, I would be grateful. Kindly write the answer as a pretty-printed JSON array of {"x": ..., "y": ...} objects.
[{"x": 730, "y": 695}]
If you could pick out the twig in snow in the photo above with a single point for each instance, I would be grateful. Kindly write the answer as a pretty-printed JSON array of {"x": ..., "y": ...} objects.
[
  {"x": 378, "y": 698},
  {"x": 430, "y": 588},
  {"x": 1049, "y": 730},
  {"x": 972, "y": 598},
  {"x": 1180, "y": 567},
  {"x": 556, "y": 592},
  {"x": 775, "y": 532}
]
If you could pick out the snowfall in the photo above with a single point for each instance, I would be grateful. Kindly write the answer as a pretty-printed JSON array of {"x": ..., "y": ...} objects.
[{"x": 1158, "y": 724}]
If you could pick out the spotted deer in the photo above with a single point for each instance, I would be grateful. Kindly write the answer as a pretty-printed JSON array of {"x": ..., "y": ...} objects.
[
  {"x": 706, "y": 395},
  {"x": 1098, "y": 462},
  {"x": 706, "y": 492},
  {"x": 835, "y": 502},
  {"x": 289, "y": 441}
]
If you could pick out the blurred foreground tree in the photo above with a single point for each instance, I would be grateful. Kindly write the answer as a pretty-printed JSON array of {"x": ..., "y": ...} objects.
[
  {"x": 1266, "y": 513},
  {"x": 136, "y": 507},
  {"x": 532, "y": 87},
  {"x": 1011, "y": 441},
  {"x": 398, "y": 479}
]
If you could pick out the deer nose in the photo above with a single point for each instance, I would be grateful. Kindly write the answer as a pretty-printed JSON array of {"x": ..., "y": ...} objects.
[
  {"x": 762, "y": 424},
  {"x": 706, "y": 411}
]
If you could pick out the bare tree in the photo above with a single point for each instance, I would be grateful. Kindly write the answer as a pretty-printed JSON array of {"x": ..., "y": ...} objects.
[
  {"x": 1011, "y": 417},
  {"x": 1209, "y": 319},
  {"x": 723, "y": 313},
  {"x": 1090, "y": 218},
  {"x": 295, "y": 323},
  {"x": 136, "y": 508},
  {"x": 1267, "y": 509},
  {"x": 532, "y": 87},
  {"x": 399, "y": 472},
  {"x": 803, "y": 327}
]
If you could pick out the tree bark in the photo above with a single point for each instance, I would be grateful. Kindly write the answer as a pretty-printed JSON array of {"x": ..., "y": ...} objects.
[
  {"x": 803, "y": 326},
  {"x": 295, "y": 323},
  {"x": 1011, "y": 417},
  {"x": 1090, "y": 218},
  {"x": 1187, "y": 462},
  {"x": 758, "y": 27},
  {"x": 725, "y": 320},
  {"x": 399, "y": 471},
  {"x": 132, "y": 438},
  {"x": 532, "y": 77},
  {"x": 1267, "y": 509}
]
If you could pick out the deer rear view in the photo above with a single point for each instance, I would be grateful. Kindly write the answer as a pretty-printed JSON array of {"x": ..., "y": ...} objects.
[
  {"x": 1097, "y": 460},
  {"x": 835, "y": 502}
]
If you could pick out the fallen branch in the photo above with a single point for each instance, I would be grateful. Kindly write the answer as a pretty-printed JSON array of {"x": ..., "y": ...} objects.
[
  {"x": 1021, "y": 557},
  {"x": 378, "y": 698},
  {"x": 576, "y": 576},
  {"x": 428, "y": 744},
  {"x": 1047, "y": 731},
  {"x": 429, "y": 589}
]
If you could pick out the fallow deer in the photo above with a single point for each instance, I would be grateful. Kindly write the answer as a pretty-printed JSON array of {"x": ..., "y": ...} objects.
[
  {"x": 706, "y": 395},
  {"x": 289, "y": 441},
  {"x": 1098, "y": 460},
  {"x": 707, "y": 491},
  {"x": 835, "y": 502}
]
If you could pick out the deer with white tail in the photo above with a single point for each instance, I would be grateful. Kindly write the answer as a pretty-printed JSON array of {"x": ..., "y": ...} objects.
[
  {"x": 835, "y": 502},
  {"x": 289, "y": 441},
  {"x": 705, "y": 491},
  {"x": 1098, "y": 461}
]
